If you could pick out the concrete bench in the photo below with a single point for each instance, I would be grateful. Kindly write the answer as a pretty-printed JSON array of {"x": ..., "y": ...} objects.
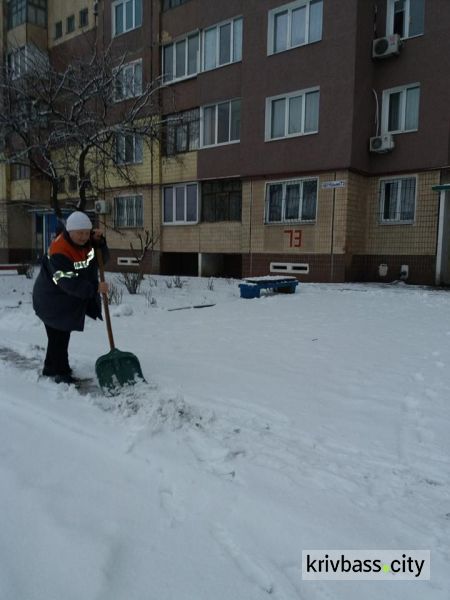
[{"x": 251, "y": 288}]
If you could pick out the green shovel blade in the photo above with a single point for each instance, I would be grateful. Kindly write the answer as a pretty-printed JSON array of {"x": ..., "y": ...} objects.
[{"x": 117, "y": 369}]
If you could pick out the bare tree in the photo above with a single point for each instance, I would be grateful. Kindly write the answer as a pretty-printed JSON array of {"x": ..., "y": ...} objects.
[{"x": 75, "y": 119}]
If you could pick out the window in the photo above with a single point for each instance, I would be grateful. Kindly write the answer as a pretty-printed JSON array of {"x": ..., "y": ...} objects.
[
  {"x": 37, "y": 12},
  {"x": 73, "y": 183},
  {"x": 405, "y": 17},
  {"x": 128, "y": 81},
  {"x": 222, "y": 200},
  {"x": 128, "y": 211},
  {"x": 288, "y": 201},
  {"x": 294, "y": 24},
  {"x": 20, "y": 171},
  {"x": 17, "y": 13},
  {"x": 397, "y": 200},
  {"x": 61, "y": 185},
  {"x": 70, "y": 24},
  {"x": 182, "y": 133},
  {"x": 126, "y": 15},
  {"x": 22, "y": 11},
  {"x": 222, "y": 44},
  {"x": 168, "y": 4},
  {"x": 401, "y": 109},
  {"x": 180, "y": 203},
  {"x": 129, "y": 148},
  {"x": 293, "y": 114},
  {"x": 221, "y": 123},
  {"x": 181, "y": 58},
  {"x": 17, "y": 62},
  {"x": 83, "y": 19},
  {"x": 58, "y": 30}
]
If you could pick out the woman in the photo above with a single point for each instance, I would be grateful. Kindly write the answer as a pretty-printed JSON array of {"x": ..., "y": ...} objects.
[{"x": 67, "y": 289}]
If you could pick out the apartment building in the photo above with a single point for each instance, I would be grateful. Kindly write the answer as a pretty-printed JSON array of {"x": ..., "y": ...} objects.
[{"x": 307, "y": 137}]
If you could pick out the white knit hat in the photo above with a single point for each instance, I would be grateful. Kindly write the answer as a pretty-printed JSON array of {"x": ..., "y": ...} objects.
[{"x": 78, "y": 220}]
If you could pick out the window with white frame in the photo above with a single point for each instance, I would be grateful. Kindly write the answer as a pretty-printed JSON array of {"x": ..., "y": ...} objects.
[
  {"x": 294, "y": 24},
  {"x": 405, "y": 17},
  {"x": 180, "y": 203},
  {"x": 128, "y": 211},
  {"x": 222, "y": 44},
  {"x": 129, "y": 148},
  {"x": 293, "y": 200},
  {"x": 182, "y": 132},
  {"x": 128, "y": 81},
  {"x": 292, "y": 114},
  {"x": 398, "y": 200},
  {"x": 181, "y": 58},
  {"x": 401, "y": 109},
  {"x": 220, "y": 123},
  {"x": 126, "y": 15}
]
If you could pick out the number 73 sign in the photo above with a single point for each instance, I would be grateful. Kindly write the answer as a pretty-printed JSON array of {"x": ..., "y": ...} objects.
[{"x": 295, "y": 237}]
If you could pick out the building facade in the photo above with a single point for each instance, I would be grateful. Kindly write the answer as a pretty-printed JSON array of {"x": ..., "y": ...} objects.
[{"x": 299, "y": 137}]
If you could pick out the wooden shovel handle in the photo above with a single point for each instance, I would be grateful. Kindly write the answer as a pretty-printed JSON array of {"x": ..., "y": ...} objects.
[{"x": 101, "y": 270}]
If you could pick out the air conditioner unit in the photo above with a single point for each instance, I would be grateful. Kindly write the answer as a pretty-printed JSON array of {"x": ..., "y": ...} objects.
[
  {"x": 101, "y": 207},
  {"x": 386, "y": 46},
  {"x": 381, "y": 143}
]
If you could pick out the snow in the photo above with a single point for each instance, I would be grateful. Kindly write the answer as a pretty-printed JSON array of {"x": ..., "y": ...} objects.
[{"x": 318, "y": 419}]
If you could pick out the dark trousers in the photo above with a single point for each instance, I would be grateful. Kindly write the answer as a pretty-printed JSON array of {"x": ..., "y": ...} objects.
[{"x": 57, "y": 359}]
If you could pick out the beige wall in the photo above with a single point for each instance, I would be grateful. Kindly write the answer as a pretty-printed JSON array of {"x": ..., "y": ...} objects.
[
  {"x": 152, "y": 219},
  {"x": 315, "y": 237},
  {"x": 418, "y": 238},
  {"x": 179, "y": 169},
  {"x": 59, "y": 10}
]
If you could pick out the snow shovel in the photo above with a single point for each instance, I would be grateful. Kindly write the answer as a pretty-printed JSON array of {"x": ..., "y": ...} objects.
[{"x": 116, "y": 368}]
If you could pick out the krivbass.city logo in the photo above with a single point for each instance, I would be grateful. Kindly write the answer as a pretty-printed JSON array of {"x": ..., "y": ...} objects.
[{"x": 360, "y": 565}]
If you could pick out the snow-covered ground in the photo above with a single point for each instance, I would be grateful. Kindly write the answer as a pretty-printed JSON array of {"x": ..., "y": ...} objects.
[{"x": 269, "y": 426}]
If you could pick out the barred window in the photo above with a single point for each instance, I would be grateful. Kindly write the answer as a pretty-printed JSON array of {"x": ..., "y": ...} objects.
[
  {"x": 128, "y": 211},
  {"x": 182, "y": 132},
  {"x": 222, "y": 200},
  {"x": 288, "y": 201},
  {"x": 398, "y": 200}
]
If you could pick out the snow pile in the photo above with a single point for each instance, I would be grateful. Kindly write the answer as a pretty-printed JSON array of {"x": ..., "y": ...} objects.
[{"x": 269, "y": 426}]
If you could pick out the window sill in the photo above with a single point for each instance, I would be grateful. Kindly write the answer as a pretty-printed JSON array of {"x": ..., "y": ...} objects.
[
  {"x": 179, "y": 223},
  {"x": 208, "y": 70},
  {"x": 292, "y": 135},
  {"x": 116, "y": 35},
  {"x": 219, "y": 145},
  {"x": 390, "y": 223},
  {"x": 180, "y": 79},
  {"x": 399, "y": 131},
  {"x": 284, "y": 223},
  {"x": 273, "y": 53}
]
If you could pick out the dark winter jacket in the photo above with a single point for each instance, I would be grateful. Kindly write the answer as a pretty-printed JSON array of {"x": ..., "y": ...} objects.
[{"x": 66, "y": 289}]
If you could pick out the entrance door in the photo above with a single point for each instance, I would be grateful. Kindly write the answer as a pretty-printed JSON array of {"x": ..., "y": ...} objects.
[{"x": 46, "y": 224}]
